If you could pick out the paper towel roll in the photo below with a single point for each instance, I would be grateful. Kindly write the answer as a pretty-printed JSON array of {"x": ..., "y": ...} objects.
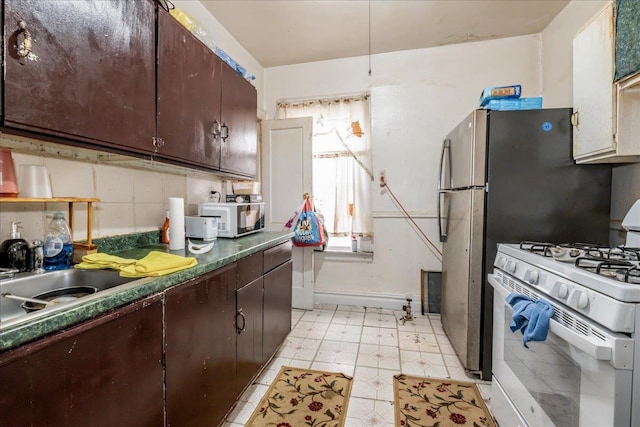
[{"x": 176, "y": 221}]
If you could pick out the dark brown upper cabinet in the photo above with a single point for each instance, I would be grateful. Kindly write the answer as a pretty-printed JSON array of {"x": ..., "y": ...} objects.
[
  {"x": 239, "y": 112},
  {"x": 189, "y": 92},
  {"x": 82, "y": 71},
  {"x": 206, "y": 111}
]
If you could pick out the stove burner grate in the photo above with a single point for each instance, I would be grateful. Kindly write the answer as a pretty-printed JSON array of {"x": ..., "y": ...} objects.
[
  {"x": 539, "y": 248},
  {"x": 631, "y": 275},
  {"x": 631, "y": 253},
  {"x": 590, "y": 250},
  {"x": 621, "y": 270}
]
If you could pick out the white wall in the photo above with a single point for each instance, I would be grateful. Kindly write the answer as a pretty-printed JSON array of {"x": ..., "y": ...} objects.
[{"x": 417, "y": 96}]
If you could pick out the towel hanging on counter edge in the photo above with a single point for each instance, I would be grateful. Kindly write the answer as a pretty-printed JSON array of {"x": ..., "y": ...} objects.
[{"x": 530, "y": 317}]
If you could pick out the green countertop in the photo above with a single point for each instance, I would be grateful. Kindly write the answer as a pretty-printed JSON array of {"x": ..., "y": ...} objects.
[{"x": 225, "y": 251}]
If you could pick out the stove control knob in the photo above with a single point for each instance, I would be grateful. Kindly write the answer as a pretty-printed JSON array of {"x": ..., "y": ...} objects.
[
  {"x": 583, "y": 300},
  {"x": 578, "y": 299},
  {"x": 562, "y": 290},
  {"x": 511, "y": 266},
  {"x": 533, "y": 277},
  {"x": 500, "y": 261}
]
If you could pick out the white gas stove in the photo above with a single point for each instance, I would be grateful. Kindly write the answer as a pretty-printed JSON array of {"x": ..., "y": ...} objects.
[
  {"x": 587, "y": 371},
  {"x": 605, "y": 298}
]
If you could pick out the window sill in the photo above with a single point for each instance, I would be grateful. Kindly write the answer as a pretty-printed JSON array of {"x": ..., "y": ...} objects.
[{"x": 345, "y": 255}]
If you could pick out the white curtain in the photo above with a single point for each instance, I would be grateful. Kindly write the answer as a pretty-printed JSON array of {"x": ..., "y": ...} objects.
[{"x": 342, "y": 172}]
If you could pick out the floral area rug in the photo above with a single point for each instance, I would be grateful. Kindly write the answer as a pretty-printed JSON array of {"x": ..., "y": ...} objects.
[
  {"x": 430, "y": 402},
  {"x": 304, "y": 397}
]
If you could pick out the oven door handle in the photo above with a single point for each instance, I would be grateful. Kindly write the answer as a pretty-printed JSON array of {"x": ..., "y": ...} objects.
[{"x": 594, "y": 349}]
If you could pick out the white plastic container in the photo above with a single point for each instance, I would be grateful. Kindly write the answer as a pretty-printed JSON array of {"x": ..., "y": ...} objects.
[
  {"x": 33, "y": 181},
  {"x": 246, "y": 187}
]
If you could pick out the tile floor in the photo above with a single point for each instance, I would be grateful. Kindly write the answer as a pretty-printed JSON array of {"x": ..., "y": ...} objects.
[{"x": 369, "y": 344}]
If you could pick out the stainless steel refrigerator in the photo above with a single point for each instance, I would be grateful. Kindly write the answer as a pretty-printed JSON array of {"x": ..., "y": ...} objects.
[{"x": 507, "y": 177}]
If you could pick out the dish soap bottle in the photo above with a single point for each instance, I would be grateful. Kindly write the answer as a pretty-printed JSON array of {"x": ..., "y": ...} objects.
[
  {"x": 58, "y": 247},
  {"x": 14, "y": 252},
  {"x": 164, "y": 237}
]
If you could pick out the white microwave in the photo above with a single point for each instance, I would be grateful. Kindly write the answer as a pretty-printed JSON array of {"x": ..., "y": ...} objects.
[{"x": 235, "y": 219}]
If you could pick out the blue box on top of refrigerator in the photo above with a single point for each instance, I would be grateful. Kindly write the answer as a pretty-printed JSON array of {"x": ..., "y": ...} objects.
[{"x": 506, "y": 177}]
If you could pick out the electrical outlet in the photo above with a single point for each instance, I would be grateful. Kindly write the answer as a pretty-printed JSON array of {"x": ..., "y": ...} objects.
[{"x": 383, "y": 180}]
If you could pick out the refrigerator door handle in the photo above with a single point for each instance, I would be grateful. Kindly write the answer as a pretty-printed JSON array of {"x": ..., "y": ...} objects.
[
  {"x": 443, "y": 217},
  {"x": 445, "y": 169}
]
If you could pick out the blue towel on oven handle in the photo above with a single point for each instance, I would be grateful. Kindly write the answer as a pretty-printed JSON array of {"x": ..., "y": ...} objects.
[{"x": 531, "y": 317}]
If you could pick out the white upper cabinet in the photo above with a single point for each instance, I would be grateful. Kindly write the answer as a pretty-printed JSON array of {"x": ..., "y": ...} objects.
[
  {"x": 596, "y": 117},
  {"x": 594, "y": 95}
]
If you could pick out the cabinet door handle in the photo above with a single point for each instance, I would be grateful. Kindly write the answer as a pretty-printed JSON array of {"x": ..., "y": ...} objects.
[
  {"x": 216, "y": 129},
  {"x": 244, "y": 321},
  {"x": 574, "y": 119},
  {"x": 23, "y": 42},
  {"x": 224, "y": 132}
]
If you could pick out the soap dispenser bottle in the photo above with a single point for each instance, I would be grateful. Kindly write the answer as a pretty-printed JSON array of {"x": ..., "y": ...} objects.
[
  {"x": 14, "y": 252},
  {"x": 58, "y": 246}
]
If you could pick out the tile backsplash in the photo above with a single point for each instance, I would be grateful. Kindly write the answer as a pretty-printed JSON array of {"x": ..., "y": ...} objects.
[{"x": 133, "y": 193}]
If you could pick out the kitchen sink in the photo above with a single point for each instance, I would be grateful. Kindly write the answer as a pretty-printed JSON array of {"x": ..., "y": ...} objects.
[{"x": 31, "y": 284}]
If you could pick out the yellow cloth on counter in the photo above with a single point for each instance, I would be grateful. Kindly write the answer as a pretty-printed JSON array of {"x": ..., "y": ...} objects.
[
  {"x": 158, "y": 264},
  {"x": 100, "y": 261}
]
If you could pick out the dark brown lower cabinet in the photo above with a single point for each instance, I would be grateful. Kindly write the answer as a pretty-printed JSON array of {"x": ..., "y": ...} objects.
[
  {"x": 104, "y": 372},
  {"x": 263, "y": 301},
  {"x": 249, "y": 323},
  {"x": 201, "y": 349},
  {"x": 115, "y": 370},
  {"x": 277, "y": 308}
]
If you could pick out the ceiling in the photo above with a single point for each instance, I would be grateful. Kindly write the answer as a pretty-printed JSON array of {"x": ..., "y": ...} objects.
[{"x": 287, "y": 32}]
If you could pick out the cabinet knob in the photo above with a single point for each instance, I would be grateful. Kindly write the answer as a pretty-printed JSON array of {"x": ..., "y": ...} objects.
[{"x": 23, "y": 42}]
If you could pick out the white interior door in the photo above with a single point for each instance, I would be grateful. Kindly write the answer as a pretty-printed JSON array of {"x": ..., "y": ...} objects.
[{"x": 286, "y": 176}]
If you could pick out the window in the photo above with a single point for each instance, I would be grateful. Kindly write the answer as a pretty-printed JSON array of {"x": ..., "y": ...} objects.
[{"x": 342, "y": 173}]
